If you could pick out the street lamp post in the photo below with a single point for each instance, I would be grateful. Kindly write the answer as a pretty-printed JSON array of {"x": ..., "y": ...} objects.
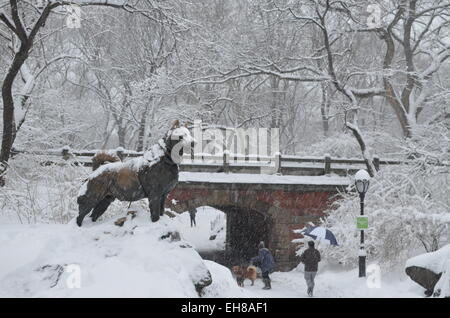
[{"x": 362, "y": 185}]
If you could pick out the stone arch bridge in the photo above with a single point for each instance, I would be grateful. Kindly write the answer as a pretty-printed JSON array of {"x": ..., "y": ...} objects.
[
  {"x": 265, "y": 198},
  {"x": 259, "y": 208}
]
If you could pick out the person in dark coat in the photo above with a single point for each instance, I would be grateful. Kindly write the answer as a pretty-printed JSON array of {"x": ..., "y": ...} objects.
[
  {"x": 311, "y": 259},
  {"x": 192, "y": 213},
  {"x": 266, "y": 262}
]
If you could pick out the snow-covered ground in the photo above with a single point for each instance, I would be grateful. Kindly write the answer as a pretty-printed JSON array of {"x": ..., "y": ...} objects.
[
  {"x": 342, "y": 284},
  {"x": 45, "y": 260},
  {"x": 130, "y": 261}
]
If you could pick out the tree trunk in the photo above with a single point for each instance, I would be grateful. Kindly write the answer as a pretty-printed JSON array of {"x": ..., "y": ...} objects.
[
  {"x": 8, "y": 108},
  {"x": 141, "y": 135},
  {"x": 324, "y": 110},
  {"x": 391, "y": 97},
  {"x": 121, "y": 132},
  {"x": 275, "y": 120},
  {"x": 19, "y": 59},
  {"x": 362, "y": 144}
]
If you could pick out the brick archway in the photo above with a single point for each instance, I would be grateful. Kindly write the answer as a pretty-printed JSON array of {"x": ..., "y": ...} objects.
[
  {"x": 247, "y": 224},
  {"x": 286, "y": 208}
]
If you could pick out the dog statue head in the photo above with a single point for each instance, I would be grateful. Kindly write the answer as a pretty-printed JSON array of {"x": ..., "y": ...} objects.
[{"x": 177, "y": 138}]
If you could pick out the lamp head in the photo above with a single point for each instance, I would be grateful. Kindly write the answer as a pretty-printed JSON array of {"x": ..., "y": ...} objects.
[{"x": 362, "y": 179}]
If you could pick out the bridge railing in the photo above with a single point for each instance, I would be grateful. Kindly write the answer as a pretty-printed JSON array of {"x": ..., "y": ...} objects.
[
  {"x": 283, "y": 164},
  {"x": 227, "y": 162}
]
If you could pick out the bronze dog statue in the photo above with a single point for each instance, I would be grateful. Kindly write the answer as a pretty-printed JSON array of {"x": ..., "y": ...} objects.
[{"x": 151, "y": 176}]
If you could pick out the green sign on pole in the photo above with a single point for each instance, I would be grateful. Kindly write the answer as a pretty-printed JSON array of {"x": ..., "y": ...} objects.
[{"x": 362, "y": 222}]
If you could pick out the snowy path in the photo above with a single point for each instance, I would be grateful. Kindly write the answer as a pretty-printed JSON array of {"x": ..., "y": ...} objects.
[
  {"x": 334, "y": 285},
  {"x": 292, "y": 284},
  {"x": 282, "y": 287}
]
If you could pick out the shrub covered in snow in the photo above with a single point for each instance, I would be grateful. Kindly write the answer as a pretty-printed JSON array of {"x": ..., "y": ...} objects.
[
  {"x": 35, "y": 192},
  {"x": 344, "y": 145},
  {"x": 407, "y": 205}
]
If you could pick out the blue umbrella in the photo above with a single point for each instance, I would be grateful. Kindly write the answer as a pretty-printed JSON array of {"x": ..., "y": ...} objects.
[{"x": 321, "y": 234}]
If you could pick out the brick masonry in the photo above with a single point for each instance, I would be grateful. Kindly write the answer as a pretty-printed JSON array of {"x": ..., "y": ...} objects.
[{"x": 288, "y": 208}]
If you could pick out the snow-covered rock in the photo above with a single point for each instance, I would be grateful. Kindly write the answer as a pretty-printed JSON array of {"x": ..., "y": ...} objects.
[
  {"x": 431, "y": 271},
  {"x": 442, "y": 288},
  {"x": 223, "y": 283},
  {"x": 138, "y": 259}
]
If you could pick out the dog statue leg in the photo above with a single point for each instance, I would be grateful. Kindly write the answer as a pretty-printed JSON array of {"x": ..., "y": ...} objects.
[
  {"x": 101, "y": 207},
  {"x": 83, "y": 210},
  {"x": 163, "y": 200},
  {"x": 154, "y": 206}
]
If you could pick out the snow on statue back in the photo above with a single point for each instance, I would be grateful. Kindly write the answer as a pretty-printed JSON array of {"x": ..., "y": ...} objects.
[{"x": 151, "y": 176}]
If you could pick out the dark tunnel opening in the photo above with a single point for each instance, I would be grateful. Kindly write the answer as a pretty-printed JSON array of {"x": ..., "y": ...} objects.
[{"x": 245, "y": 229}]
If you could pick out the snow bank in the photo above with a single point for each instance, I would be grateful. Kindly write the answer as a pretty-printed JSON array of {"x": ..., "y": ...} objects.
[
  {"x": 442, "y": 288},
  {"x": 139, "y": 259},
  {"x": 223, "y": 283}
]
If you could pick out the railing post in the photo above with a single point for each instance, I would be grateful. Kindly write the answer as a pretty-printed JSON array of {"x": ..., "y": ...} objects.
[
  {"x": 192, "y": 152},
  {"x": 120, "y": 154},
  {"x": 66, "y": 153},
  {"x": 278, "y": 162},
  {"x": 327, "y": 169},
  {"x": 376, "y": 163},
  {"x": 226, "y": 161}
]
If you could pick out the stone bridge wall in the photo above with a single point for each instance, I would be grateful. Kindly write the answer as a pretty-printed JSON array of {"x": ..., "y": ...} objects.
[{"x": 287, "y": 207}]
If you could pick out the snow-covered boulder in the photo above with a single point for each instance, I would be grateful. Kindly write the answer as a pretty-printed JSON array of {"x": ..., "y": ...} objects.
[
  {"x": 138, "y": 259},
  {"x": 223, "y": 283},
  {"x": 442, "y": 288},
  {"x": 431, "y": 271}
]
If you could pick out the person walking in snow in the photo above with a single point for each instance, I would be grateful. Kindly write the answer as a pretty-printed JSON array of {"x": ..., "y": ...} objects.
[
  {"x": 192, "y": 213},
  {"x": 311, "y": 259},
  {"x": 266, "y": 262}
]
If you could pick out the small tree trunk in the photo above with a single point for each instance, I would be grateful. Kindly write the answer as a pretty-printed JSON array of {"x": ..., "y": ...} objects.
[
  {"x": 141, "y": 135},
  {"x": 121, "y": 132},
  {"x": 324, "y": 110},
  {"x": 275, "y": 120}
]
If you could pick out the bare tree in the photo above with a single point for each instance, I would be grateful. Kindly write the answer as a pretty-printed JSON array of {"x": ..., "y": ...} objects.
[{"x": 23, "y": 23}]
